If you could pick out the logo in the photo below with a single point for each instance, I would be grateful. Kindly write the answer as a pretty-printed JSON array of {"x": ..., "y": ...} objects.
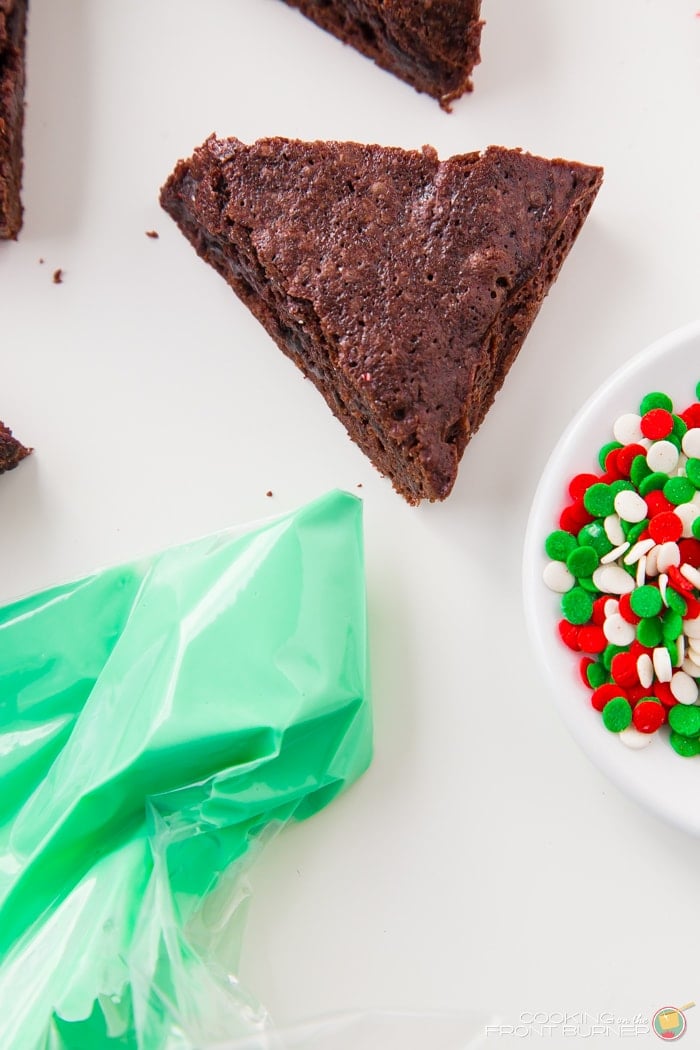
[{"x": 669, "y": 1022}]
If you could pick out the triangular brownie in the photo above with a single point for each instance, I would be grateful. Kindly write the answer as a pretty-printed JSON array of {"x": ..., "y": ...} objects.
[
  {"x": 11, "y": 451},
  {"x": 431, "y": 44},
  {"x": 13, "y": 23},
  {"x": 403, "y": 287}
]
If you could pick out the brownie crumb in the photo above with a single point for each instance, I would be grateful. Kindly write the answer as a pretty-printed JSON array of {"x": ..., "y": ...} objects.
[
  {"x": 41, "y": 262},
  {"x": 153, "y": 234},
  {"x": 58, "y": 276},
  {"x": 268, "y": 493},
  {"x": 12, "y": 451}
]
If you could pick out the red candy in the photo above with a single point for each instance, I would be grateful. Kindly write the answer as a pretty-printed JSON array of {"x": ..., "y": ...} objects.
[
  {"x": 591, "y": 639},
  {"x": 657, "y": 502},
  {"x": 579, "y": 484},
  {"x": 662, "y": 692},
  {"x": 568, "y": 632},
  {"x": 601, "y": 695},
  {"x": 574, "y": 517},
  {"x": 624, "y": 669},
  {"x": 690, "y": 552},
  {"x": 598, "y": 615},
  {"x": 691, "y": 416},
  {"x": 665, "y": 527},
  {"x": 625, "y": 457},
  {"x": 679, "y": 583},
  {"x": 648, "y": 715},
  {"x": 656, "y": 424},
  {"x": 625, "y": 610}
]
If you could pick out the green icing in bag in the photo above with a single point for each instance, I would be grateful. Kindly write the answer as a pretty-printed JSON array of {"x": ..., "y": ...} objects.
[{"x": 154, "y": 720}]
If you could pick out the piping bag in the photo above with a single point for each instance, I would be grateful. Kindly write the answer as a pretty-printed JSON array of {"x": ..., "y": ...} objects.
[{"x": 157, "y": 721}]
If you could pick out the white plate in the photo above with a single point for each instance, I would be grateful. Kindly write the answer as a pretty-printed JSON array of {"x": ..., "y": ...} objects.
[{"x": 656, "y": 776}]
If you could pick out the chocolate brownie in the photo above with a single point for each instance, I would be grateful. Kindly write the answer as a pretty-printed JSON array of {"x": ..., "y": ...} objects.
[
  {"x": 11, "y": 452},
  {"x": 432, "y": 44},
  {"x": 402, "y": 286},
  {"x": 13, "y": 23}
]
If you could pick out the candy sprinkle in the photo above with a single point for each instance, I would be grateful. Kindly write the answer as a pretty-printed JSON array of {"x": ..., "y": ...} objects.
[{"x": 625, "y": 562}]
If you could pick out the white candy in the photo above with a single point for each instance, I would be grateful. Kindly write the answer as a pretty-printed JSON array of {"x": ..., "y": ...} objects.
[
  {"x": 641, "y": 571},
  {"x": 663, "y": 456},
  {"x": 684, "y": 688},
  {"x": 687, "y": 512},
  {"x": 611, "y": 607},
  {"x": 691, "y": 668},
  {"x": 691, "y": 574},
  {"x": 614, "y": 554},
  {"x": 645, "y": 670},
  {"x": 557, "y": 577},
  {"x": 667, "y": 555},
  {"x": 614, "y": 531},
  {"x": 630, "y": 506},
  {"x": 691, "y": 628},
  {"x": 627, "y": 429},
  {"x": 618, "y": 631},
  {"x": 663, "y": 587},
  {"x": 652, "y": 568},
  {"x": 632, "y": 738},
  {"x": 662, "y": 664},
  {"x": 680, "y": 643},
  {"x": 690, "y": 442},
  {"x": 612, "y": 579},
  {"x": 634, "y": 553}
]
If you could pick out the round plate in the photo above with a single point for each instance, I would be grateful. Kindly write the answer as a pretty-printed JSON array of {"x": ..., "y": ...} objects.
[{"x": 656, "y": 776}]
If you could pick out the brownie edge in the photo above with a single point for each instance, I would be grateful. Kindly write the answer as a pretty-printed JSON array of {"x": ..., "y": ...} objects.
[
  {"x": 431, "y": 44},
  {"x": 13, "y": 28}
]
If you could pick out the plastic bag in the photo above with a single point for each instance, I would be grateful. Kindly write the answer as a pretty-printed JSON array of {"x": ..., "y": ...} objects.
[{"x": 157, "y": 721}]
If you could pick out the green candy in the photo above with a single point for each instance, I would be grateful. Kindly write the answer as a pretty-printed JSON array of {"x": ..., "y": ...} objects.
[
  {"x": 588, "y": 585},
  {"x": 577, "y": 605},
  {"x": 594, "y": 535},
  {"x": 596, "y": 674},
  {"x": 611, "y": 651},
  {"x": 599, "y": 500},
  {"x": 671, "y": 625},
  {"x": 692, "y": 473},
  {"x": 656, "y": 480},
  {"x": 685, "y": 719},
  {"x": 680, "y": 490},
  {"x": 559, "y": 545},
  {"x": 632, "y": 534},
  {"x": 696, "y": 528},
  {"x": 680, "y": 426},
  {"x": 583, "y": 561},
  {"x": 639, "y": 470},
  {"x": 649, "y": 632},
  {"x": 676, "y": 602},
  {"x": 655, "y": 399},
  {"x": 617, "y": 714},
  {"x": 684, "y": 745},
  {"x": 605, "y": 452},
  {"x": 646, "y": 601},
  {"x": 621, "y": 486}
]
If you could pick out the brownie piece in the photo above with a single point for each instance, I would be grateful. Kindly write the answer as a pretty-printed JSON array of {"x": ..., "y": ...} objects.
[
  {"x": 11, "y": 451},
  {"x": 402, "y": 286},
  {"x": 13, "y": 24},
  {"x": 432, "y": 44}
]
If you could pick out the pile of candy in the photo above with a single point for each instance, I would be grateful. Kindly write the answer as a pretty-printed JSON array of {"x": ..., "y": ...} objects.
[{"x": 626, "y": 561}]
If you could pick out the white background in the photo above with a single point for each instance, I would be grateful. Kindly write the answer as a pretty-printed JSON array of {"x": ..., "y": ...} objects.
[{"x": 483, "y": 861}]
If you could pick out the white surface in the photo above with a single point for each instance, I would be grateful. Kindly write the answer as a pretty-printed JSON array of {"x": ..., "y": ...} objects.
[
  {"x": 658, "y": 778},
  {"x": 483, "y": 861}
]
